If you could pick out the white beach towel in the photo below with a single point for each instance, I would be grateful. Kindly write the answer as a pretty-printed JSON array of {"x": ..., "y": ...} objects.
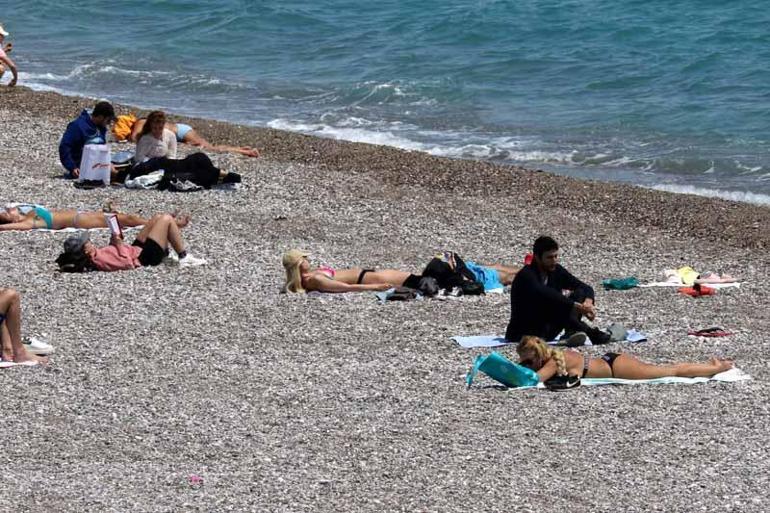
[
  {"x": 67, "y": 230},
  {"x": 735, "y": 284},
  {"x": 728, "y": 376},
  {"x": 481, "y": 341}
]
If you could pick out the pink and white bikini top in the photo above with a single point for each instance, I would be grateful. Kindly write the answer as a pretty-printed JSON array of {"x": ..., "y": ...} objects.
[{"x": 328, "y": 271}]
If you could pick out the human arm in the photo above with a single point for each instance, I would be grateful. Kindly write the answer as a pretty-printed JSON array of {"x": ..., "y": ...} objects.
[
  {"x": 27, "y": 224},
  {"x": 170, "y": 138},
  {"x": 565, "y": 280},
  {"x": 547, "y": 371},
  {"x": 72, "y": 137},
  {"x": 136, "y": 130},
  {"x": 142, "y": 145},
  {"x": 529, "y": 285},
  {"x": 117, "y": 241},
  {"x": 323, "y": 283}
]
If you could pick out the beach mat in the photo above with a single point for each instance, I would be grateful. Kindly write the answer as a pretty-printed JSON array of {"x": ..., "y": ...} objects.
[
  {"x": 717, "y": 286},
  {"x": 728, "y": 376},
  {"x": 72, "y": 230}
]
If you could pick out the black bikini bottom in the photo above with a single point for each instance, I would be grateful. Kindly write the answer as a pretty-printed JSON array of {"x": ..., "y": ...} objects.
[
  {"x": 361, "y": 276},
  {"x": 610, "y": 359}
]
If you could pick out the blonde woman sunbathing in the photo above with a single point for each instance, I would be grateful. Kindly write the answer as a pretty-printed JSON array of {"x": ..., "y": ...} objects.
[
  {"x": 301, "y": 277},
  {"x": 30, "y": 217},
  {"x": 548, "y": 362}
]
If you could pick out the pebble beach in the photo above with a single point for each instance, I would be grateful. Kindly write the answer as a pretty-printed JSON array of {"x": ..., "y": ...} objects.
[{"x": 206, "y": 389}]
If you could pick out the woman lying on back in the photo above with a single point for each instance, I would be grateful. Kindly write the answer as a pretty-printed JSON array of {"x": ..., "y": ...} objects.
[
  {"x": 30, "y": 217},
  {"x": 185, "y": 133},
  {"x": 150, "y": 248},
  {"x": 548, "y": 362},
  {"x": 301, "y": 277}
]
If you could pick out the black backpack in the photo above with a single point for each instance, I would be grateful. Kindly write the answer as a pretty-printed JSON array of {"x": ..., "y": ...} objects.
[{"x": 450, "y": 272}]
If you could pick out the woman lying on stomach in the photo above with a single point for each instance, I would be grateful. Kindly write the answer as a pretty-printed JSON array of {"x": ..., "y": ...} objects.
[
  {"x": 30, "y": 217},
  {"x": 301, "y": 277},
  {"x": 149, "y": 249},
  {"x": 548, "y": 362}
]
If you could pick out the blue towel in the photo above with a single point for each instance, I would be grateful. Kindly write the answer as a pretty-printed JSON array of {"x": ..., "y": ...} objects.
[{"x": 485, "y": 275}]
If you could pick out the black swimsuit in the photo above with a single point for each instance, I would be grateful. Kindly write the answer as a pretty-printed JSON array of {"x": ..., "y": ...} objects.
[
  {"x": 361, "y": 276},
  {"x": 608, "y": 357}
]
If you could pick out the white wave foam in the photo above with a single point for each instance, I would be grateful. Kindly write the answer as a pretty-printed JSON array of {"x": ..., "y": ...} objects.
[
  {"x": 743, "y": 197},
  {"x": 385, "y": 138}
]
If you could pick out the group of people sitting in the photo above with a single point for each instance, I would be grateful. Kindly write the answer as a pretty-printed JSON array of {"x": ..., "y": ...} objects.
[
  {"x": 546, "y": 301},
  {"x": 156, "y": 141}
]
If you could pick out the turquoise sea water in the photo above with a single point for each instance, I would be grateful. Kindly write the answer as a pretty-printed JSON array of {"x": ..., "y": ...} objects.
[{"x": 668, "y": 94}]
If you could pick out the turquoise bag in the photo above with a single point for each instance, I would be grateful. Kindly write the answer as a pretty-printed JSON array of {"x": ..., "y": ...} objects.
[{"x": 502, "y": 370}]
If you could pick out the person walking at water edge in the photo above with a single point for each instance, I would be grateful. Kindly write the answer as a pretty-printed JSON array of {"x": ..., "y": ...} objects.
[
  {"x": 539, "y": 306},
  {"x": 6, "y": 61},
  {"x": 86, "y": 129}
]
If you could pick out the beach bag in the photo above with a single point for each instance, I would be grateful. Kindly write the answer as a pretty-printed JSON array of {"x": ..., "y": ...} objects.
[
  {"x": 96, "y": 163},
  {"x": 428, "y": 286},
  {"x": 502, "y": 370},
  {"x": 450, "y": 271}
]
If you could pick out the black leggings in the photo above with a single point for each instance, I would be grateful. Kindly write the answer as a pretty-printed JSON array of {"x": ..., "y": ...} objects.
[{"x": 198, "y": 165}]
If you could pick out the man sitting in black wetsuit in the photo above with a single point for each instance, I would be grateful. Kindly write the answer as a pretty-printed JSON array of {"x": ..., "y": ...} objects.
[{"x": 539, "y": 306}]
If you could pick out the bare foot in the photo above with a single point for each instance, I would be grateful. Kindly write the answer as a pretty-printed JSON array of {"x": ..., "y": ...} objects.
[
  {"x": 249, "y": 152},
  {"x": 27, "y": 358},
  {"x": 182, "y": 220},
  {"x": 721, "y": 365}
]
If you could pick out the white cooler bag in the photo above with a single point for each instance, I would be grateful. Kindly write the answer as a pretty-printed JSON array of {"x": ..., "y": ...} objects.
[{"x": 96, "y": 163}]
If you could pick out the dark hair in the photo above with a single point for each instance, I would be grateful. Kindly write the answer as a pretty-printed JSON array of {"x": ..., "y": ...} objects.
[
  {"x": 74, "y": 263},
  {"x": 543, "y": 244},
  {"x": 104, "y": 109},
  {"x": 152, "y": 117}
]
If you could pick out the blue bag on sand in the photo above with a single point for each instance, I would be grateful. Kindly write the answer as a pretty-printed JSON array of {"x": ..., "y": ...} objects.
[{"x": 501, "y": 369}]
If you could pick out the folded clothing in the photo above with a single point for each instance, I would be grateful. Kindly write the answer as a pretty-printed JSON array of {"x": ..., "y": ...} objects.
[{"x": 487, "y": 276}]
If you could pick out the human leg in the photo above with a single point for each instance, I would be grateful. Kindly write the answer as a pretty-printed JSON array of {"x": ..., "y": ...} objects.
[
  {"x": 162, "y": 228},
  {"x": 626, "y": 366},
  {"x": 193, "y": 138},
  {"x": 392, "y": 276},
  {"x": 10, "y": 331},
  {"x": 130, "y": 220},
  {"x": 506, "y": 273}
]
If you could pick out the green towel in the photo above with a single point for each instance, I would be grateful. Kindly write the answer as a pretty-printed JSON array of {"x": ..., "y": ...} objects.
[{"x": 620, "y": 283}]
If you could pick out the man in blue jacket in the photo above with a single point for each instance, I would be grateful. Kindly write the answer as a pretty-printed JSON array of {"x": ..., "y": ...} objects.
[
  {"x": 539, "y": 305},
  {"x": 86, "y": 129}
]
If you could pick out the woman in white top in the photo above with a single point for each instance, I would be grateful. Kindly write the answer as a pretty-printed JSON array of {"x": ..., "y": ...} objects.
[{"x": 155, "y": 140}]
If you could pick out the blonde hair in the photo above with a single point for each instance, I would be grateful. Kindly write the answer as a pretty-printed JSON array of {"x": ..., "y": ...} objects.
[
  {"x": 537, "y": 347},
  {"x": 291, "y": 261}
]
